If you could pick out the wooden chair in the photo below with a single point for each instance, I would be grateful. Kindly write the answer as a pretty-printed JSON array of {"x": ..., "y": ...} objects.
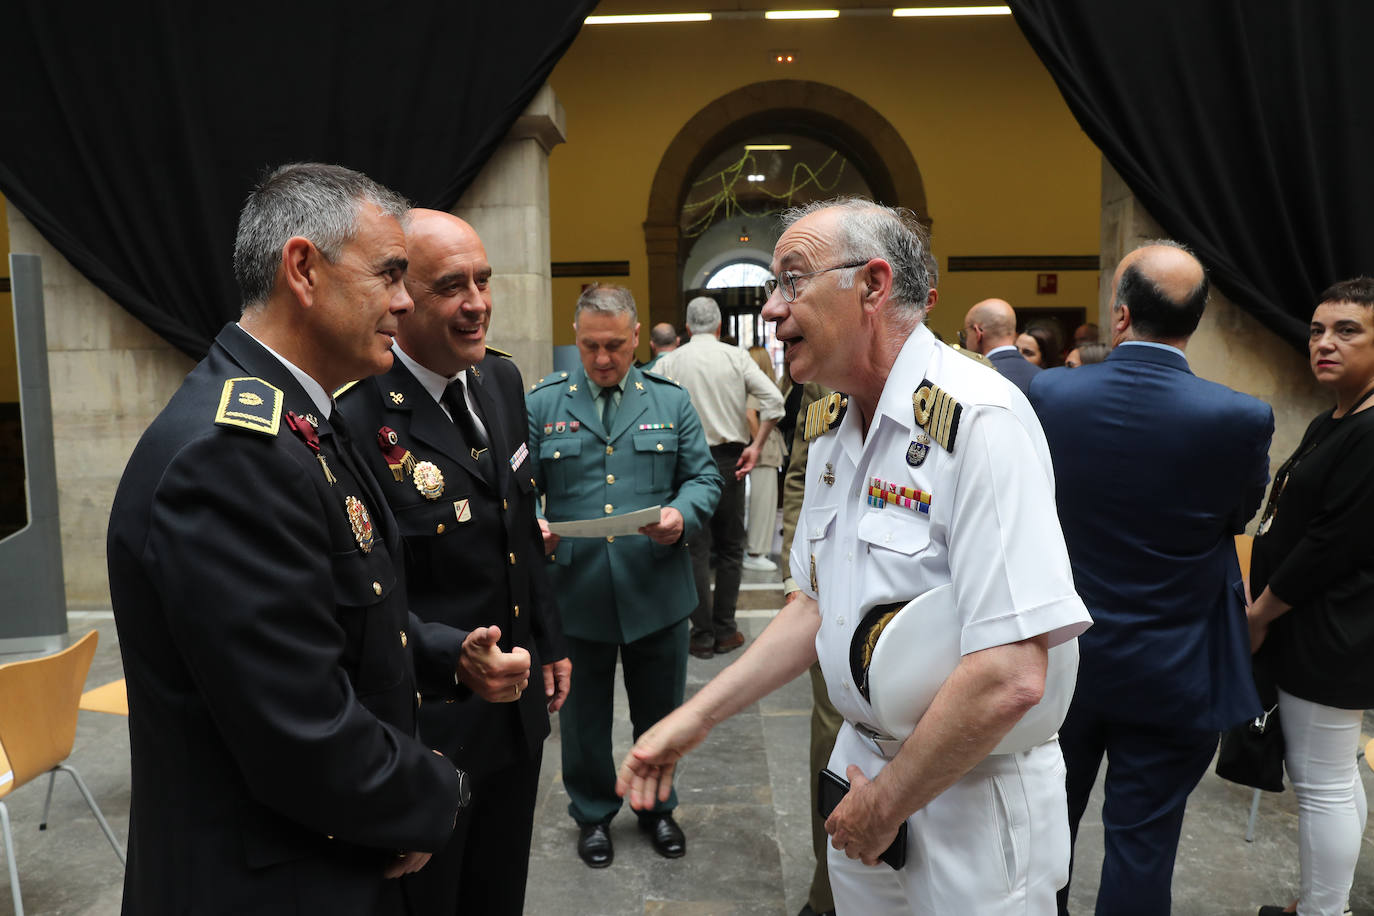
[{"x": 38, "y": 706}]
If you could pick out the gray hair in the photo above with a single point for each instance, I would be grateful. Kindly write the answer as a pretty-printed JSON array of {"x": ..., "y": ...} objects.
[
  {"x": 703, "y": 315},
  {"x": 872, "y": 230},
  {"x": 312, "y": 200},
  {"x": 932, "y": 268},
  {"x": 606, "y": 299}
]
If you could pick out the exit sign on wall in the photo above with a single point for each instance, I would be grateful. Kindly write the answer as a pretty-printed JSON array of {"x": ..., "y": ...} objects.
[{"x": 1046, "y": 284}]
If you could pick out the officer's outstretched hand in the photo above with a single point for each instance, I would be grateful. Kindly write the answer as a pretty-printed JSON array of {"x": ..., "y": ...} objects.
[
  {"x": 495, "y": 676},
  {"x": 858, "y": 827},
  {"x": 647, "y": 771},
  {"x": 668, "y": 528}
]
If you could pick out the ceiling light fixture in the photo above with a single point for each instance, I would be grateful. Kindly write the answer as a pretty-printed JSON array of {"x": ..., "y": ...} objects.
[
  {"x": 647, "y": 18},
  {"x": 752, "y": 147},
  {"x": 802, "y": 14},
  {"x": 952, "y": 11}
]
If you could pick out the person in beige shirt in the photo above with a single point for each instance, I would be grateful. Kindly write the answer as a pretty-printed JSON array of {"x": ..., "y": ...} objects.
[{"x": 721, "y": 379}]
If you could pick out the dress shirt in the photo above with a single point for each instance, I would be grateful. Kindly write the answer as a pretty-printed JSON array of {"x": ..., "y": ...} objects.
[
  {"x": 720, "y": 378},
  {"x": 992, "y": 528},
  {"x": 436, "y": 384}
]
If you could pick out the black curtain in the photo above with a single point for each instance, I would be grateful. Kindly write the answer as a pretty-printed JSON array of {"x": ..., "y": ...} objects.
[
  {"x": 1244, "y": 126},
  {"x": 131, "y": 132}
]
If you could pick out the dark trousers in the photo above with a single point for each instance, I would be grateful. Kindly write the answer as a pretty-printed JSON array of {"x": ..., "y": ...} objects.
[
  {"x": 1150, "y": 771},
  {"x": 655, "y": 670},
  {"x": 484, "y": 866},
  {"x": 714, "y": 617}
]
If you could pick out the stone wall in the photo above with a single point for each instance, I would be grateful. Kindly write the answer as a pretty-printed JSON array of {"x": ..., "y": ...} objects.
[
  {"x": 110, "y": 375},
  {"x": 1230, "y": 346},
  {"x": 508, "y": 205}
]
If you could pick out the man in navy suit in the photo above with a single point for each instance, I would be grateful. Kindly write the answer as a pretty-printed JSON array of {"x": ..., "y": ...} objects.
[
  {"x": 1158, "y": 470},
  {"x": 990, "y": 329}
]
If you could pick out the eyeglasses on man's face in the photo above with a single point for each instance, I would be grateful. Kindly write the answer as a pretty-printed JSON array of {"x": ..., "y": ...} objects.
[{"x": 788, "y": 280}]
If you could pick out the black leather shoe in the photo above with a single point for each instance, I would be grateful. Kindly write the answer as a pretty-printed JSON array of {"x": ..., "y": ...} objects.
[
  {"x": 594, "y": 845},
  {"x": 729, "y": 643},
  {"x": 702, "y": 650},
  {"x": 665, "y": 834}
]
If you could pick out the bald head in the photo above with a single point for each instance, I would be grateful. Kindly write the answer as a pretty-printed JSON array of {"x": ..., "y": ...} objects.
[
  {"x": 662, "y": 338},
  {"x": 1161, "y": 291},
  {"x": 448, "y": 279},
  {"x": 995, "y": 322}
]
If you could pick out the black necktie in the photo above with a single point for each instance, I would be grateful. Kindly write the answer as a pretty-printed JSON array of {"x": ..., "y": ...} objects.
[
  {"x": 472, "y": 436},
  {"x": 608, "y": 409}
]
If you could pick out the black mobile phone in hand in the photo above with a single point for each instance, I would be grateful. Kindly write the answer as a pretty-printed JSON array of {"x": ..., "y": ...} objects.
[{"x": 830, "y": 789}]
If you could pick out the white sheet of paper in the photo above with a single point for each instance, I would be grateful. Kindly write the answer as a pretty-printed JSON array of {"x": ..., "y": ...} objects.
[{"x": 629, "y": 523}]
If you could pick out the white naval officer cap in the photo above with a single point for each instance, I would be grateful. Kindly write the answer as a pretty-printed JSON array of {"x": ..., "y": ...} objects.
[{"x": 901, "y": 654}]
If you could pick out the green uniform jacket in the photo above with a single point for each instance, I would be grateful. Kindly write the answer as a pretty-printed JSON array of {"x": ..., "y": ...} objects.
[{"x": 621, "y": 589}]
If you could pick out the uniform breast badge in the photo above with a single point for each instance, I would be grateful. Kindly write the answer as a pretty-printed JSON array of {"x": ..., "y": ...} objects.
[
  {"x": 937, "y": 413},
  {"x": 917, "y": 451},
  {"x": 462, "y": 510},
  {"x": 824, "y": 415},
  {"x": 397, "y": 398},
  {"x": 429, "y": 480},
  {"x": 829, "y": 476},
  {"x": 561, "y": 426},
  {"x": 361, "y": 522},
  {"x": 397, "y": 456},
  {"x": 574, "y": 426},
  {"x": 881, "y": 493},
  {"x": 519, "y": 457},
  {"x": 305, "y": 431}
]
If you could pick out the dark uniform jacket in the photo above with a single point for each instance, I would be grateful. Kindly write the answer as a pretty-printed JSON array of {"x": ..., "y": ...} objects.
[
  {"x": 1157, "y": 470},
  {"x": 474, "y": 554},
  {"x": 263, "y": 626},
  {"x": 612, "y": 589}
]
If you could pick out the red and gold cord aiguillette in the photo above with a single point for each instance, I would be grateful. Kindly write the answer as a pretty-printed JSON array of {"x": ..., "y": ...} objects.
[
  {"x": 397, "y": 456},
  {"x": 305, "y": 431}
]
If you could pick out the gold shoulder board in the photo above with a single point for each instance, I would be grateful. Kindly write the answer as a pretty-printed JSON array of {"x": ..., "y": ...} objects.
[
  {"x": 340, "y": 391},
  {"x": 250, "y": 403},
  {"x": 498, "y": 352},
  {"x": 824, "y": 415},
  {"x": 937, "y": 413}
]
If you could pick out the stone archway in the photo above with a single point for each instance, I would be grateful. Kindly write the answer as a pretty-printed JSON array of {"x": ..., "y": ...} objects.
[{"x": 811, "y": 109}]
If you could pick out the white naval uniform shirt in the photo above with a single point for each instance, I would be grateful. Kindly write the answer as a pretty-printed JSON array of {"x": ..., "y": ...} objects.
[{"x": 993, "y": 529}]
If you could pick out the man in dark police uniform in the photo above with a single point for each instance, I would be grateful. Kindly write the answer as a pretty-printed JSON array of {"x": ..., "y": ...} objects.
[
  {"x": 260, "y": 605},
  {"x": 444, "y": 435}
]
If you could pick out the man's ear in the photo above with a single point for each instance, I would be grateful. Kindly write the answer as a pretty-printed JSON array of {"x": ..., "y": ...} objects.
[
  {"x": 876, "y": 277},
  {"x": 300, "y": 264}
]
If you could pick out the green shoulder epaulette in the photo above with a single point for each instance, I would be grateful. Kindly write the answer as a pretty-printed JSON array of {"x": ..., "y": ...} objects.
[
  {"x": 345, "y": 388},
  {"x": 937, "y": 413},
  {"x": 553, "y": 378},
  {"x": 250, "y": 403},
  {"x": 660, "y": 377},
  {"x": 824, "y": 415},
  {"x": 491, "y": 349}
]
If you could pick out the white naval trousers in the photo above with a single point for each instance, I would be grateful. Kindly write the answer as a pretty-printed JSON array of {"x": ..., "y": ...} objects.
[{"x": 996, "y": 843}]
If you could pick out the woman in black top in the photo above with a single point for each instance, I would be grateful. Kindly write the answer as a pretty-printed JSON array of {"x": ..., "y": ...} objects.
[{"x": 1313, "y": 569}]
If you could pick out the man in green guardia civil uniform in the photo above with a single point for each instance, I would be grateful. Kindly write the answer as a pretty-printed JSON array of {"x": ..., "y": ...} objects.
[{"x": 610, "y": 439}]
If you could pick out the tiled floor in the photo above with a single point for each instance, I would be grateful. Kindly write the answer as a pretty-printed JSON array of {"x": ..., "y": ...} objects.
[{"x": 744, "y": 807}]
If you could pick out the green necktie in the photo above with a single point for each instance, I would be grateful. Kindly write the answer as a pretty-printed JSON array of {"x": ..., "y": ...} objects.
[{"x": 608, "y": 408}]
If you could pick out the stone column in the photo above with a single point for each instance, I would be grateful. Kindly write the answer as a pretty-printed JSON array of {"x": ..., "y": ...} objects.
[
  {"x": 109, "y": 377},
  {"x": 1230, "y": 345},
  {"x": 508, "y": 205}
]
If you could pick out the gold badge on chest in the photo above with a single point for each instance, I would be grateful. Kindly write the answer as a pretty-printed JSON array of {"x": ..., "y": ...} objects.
[
  {"x": 429, "y": 480},
  {"x": 361, "y": 522}
]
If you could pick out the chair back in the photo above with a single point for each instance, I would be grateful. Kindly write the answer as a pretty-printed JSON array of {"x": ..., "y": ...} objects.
[{"x": 38, "y": 705}]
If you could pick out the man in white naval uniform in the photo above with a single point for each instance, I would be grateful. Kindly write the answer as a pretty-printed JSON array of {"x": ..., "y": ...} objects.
[{"x": 964, "y": 495}]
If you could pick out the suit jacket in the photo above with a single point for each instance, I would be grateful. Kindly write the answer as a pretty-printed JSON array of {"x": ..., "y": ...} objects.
[
  {"x": 1156, "y": 471},
  {"x": 474, "y": 554},
  {"x": 263, "y": 626},
  {"x": 1016, "y": 368},
  {"x": 619, "y": 589}
]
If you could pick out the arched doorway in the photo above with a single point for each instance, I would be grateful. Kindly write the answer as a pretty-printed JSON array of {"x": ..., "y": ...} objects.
[{"x": 829, "y": 115}]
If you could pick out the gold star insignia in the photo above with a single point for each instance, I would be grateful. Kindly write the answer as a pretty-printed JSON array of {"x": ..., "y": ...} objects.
[
  {"x": 397, "y": 397},
  {"x": 639, "y": 386},
  {"x": 571, "y": 389}
]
